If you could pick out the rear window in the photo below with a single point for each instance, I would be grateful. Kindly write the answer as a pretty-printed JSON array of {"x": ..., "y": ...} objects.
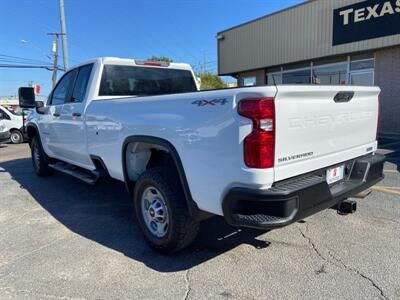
[{"x": 143, "y": 81}]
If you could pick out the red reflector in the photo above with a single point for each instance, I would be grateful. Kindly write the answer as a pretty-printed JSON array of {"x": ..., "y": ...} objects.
[
  {"x": 259, "y": 145},
  {"x": 259, "y": 149}
]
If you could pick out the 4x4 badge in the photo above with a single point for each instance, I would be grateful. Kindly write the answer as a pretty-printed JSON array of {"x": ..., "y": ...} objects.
[{"x": 220, "y": 101}]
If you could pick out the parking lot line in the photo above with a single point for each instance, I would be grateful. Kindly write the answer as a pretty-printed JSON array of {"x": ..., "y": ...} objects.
[
  {"x": 391, "y": 171},
  {"x": 387, "y": 189}
]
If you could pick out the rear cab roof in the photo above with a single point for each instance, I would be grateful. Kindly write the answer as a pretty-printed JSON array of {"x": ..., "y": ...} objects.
[
  {"x": 101, "y": 61},
  {"x": 109, "y": 60}
]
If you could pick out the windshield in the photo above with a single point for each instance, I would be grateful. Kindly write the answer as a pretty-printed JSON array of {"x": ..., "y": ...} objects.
[{"x": 120, "y": 80}]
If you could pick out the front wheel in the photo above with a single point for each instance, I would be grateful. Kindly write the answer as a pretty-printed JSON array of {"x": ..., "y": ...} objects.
[
  {"x": 39, "y": 158},
  {"x": 16, "y": 137},
  {"x": 161, "y": 211}
]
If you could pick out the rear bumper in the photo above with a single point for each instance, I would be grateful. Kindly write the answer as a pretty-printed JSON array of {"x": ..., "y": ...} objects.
[
  {"x": 5, "y": 137},
  {"x": 294, "y": 199}
]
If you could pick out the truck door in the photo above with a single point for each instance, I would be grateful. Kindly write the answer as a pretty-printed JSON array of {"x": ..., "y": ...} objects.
[
  {"x": 53, "y": 133},
  {"x": 73, "y": 145}
]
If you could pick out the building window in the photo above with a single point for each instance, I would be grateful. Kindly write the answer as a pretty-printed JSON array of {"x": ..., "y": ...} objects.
[
  {"x": 335, "y": 74},
  {"x": 362, "y": 72},
  {"x": 274, "y": 78},
  {"x": 249, "y": 81},
  {"x": 362, "y": 64},
  {"x": 362, "y": 78},
  {"x": 297, "y": 77},
  {"x": 355, "y": 70}
]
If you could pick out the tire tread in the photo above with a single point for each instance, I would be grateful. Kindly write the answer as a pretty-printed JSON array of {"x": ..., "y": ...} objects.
[
  {"x": 186, "y": 227},
  {"x": 44, "y": 170}
]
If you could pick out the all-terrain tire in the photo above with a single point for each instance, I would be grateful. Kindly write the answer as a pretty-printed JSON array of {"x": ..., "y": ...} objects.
[
  {"x": 39, "y": 158},
  {"x": 182, "y": 228}
]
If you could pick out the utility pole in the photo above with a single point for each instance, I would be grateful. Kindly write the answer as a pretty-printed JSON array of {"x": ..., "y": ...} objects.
[
  {"x": 54, "y": 49},
  {"x": 64, "y": 35}
]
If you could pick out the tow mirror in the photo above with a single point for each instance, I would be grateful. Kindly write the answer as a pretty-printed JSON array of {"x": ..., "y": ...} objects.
[{"x": 26, "y": 96}]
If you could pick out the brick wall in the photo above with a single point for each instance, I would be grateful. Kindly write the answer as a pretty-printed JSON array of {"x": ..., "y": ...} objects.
[{"x": 387, "y": 77}]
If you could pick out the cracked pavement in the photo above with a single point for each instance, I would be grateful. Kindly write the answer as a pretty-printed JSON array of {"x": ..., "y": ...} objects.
[{"x": 63, "y": 239}]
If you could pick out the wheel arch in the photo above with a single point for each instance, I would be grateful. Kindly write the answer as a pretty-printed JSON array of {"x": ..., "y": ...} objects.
[
  {"x": 16, "y": 129},
  {"x": 191, "y": 204},
  {"x": 32, "y": 130}
]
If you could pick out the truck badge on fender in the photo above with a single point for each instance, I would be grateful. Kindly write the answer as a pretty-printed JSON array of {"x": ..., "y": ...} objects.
[{"x": 220, "y": 101}]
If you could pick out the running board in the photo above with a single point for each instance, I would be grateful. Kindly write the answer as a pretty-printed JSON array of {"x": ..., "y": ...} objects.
[{"x": 89, "y": 177}]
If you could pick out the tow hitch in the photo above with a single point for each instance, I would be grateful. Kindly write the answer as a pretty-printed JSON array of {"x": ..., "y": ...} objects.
[{"x": 346, "y": 207}]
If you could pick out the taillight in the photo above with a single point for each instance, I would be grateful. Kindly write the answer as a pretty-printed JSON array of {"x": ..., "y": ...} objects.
[{"x": 259, "y": 145}]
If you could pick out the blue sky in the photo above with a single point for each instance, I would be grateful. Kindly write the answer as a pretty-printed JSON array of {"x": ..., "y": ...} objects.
[{"x": 181, "y": 29}]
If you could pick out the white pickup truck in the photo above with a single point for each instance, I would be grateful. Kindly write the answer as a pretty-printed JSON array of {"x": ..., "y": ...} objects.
[{"x": 261, "y": 157}]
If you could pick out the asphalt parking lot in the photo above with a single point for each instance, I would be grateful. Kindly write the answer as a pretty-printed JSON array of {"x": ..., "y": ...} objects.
[{"x": 63, "y": 239}]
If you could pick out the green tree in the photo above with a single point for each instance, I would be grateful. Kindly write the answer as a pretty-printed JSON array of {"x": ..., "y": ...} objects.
[
  {"x": 210, "y": 81},
  {"x": 160, "y": 58}
]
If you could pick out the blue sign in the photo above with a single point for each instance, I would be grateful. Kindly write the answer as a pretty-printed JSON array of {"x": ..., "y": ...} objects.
[{"x": 366, "y": 20}]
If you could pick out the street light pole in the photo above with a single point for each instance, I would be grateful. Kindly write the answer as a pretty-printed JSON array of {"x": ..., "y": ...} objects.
[{"x": 64, "y": 35}]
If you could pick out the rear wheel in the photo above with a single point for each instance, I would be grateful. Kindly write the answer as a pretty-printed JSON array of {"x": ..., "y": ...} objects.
[
  {"x": 161, "y": 211},
  {"x": 39, "y": 159},
  {"x": 16, "y": 136}
]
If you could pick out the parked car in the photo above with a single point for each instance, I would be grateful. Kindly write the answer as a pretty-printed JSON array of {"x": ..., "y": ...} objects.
[
  {"x": 261, "y": 157},
  {"x": 4, "y": 133},
  {"x": 14, "y": 123}
]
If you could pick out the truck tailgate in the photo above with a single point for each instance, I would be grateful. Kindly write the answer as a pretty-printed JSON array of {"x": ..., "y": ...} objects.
[{"x": 319, "y": 126}]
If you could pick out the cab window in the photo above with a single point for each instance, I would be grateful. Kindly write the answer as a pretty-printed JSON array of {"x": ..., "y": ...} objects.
[
  {"x": 144, "y": 81},
  {"x": 81, "y": 83},
  {"x": 60, "y": 93}
]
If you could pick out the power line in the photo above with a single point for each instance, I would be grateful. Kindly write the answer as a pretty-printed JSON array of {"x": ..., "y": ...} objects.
[
  {"x": 25, "y": 66},
  {"x": 36, "y": 47},
  {"x": 20, "y": 59},
  {"x": 46, "y": 28}
]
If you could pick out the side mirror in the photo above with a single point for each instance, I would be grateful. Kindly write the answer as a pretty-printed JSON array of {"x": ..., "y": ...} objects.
[
  {"x": 26, "y": 96},
  {"x": 40, "y": 107},
  {"x": 39, "y": 104}
]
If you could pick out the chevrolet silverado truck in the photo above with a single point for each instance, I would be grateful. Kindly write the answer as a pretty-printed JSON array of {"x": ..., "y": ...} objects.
[{"x": 261, "y": 157}]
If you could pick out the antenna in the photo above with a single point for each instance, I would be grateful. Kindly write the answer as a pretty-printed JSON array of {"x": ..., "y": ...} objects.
[{"x": 273, "y": 80}]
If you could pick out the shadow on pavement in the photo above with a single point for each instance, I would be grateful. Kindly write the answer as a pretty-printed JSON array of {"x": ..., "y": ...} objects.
[
  {"x": 393, "y": 145},
  {"x": 103, "y": 213}
]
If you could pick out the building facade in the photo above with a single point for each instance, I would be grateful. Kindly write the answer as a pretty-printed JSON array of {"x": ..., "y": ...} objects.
[{"x": 328, "y": 42}]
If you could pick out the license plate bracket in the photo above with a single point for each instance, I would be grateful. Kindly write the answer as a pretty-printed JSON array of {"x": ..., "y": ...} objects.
[{"x": 334, "y": 174}]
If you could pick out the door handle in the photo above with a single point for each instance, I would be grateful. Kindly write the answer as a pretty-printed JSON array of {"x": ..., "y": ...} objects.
[
  {"x": 343, "y": 97},
  {"x": 56, "y": 114},
  {"x": 76, "y": 114}
]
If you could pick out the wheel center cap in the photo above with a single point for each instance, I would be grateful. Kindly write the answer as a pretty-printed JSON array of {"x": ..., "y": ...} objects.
[{"x": 151, "y": 212}]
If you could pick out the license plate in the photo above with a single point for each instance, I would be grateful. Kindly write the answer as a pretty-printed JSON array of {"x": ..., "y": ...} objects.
[{"x": 334, "y": 174}]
